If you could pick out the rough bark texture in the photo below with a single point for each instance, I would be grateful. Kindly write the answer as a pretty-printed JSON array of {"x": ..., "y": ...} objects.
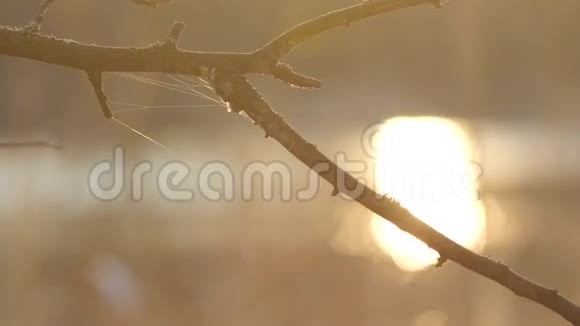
[{"x": 227, "y": 72}]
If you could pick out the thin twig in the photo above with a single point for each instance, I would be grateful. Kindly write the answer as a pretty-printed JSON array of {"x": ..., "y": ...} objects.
[
  {"x": 285, "y": 73},
  {"x": 96, "y": 79},
  {"x": 287, "y": 41}
]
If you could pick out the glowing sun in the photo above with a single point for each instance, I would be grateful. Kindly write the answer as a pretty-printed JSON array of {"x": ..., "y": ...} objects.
[{"x": 427, "y": 164}]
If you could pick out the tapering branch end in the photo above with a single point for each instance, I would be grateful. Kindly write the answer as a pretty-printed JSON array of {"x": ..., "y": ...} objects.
[
  {"x": 96, "y": 79},
  {"x": 285, "y": 73}
]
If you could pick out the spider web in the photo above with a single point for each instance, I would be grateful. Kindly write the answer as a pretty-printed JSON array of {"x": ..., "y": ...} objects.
[{"x": 196, "y": 87}]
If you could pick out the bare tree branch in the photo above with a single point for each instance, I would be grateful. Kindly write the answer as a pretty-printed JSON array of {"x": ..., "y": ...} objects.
[
  {"x": 242, "y": 96},
  {"x": 26, "y": 43},
  {"x": 158, "y": 57},
  {"x": 226, "y": 72},
  {"x": 155, "y": 58},
  {"x": 286, "y": 42}
]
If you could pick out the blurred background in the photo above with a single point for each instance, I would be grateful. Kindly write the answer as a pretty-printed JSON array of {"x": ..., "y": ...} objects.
[{"x": 475, "y": 108}]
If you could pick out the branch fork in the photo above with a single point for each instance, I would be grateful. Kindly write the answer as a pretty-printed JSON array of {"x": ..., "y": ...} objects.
[{"x": 227, "y": 74}]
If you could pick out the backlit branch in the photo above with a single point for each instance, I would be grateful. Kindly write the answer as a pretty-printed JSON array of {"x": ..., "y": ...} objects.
[
  {"x": 227, "y": 71},
  {"x": 96, "y": 79},
  {"x": 242, "y": 96},
  {"x": 155, "y": 58},
  {"x": 286, "y": 42}
]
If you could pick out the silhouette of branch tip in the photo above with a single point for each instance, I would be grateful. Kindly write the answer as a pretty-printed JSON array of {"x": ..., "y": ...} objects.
[
  {"x": 96, "y": 79},
  {"x": 287, "y": 41},
  {"x": 34, "y": 25},
  {"x": 285, "y": 73}
]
